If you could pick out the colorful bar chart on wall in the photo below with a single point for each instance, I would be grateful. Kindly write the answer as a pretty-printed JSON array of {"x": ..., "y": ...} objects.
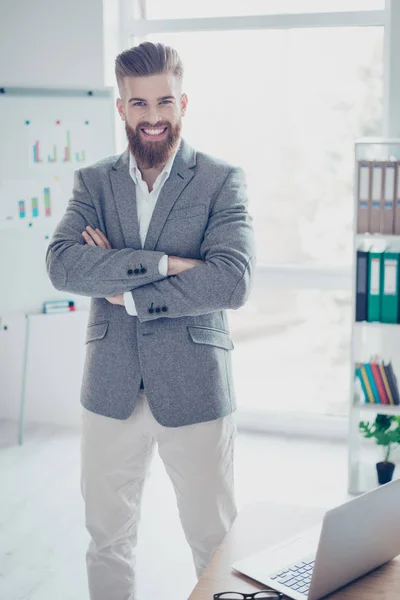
[
  {"x": 53, "y": 158},
  {"x": 60, "y": 147},
  {"x": 21, "y": 207},
  {"x": 28, "y": 202},
  {"x": 35, "y": 207},
  {"x": 80, "y": 156},
  {"x": 47, "y": 205},
  {"x": 67, "y": 149},
  {"x": 36, "y": 153}
]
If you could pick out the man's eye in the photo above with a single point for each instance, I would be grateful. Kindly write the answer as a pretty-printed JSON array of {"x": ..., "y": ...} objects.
[
  {"x": 165, "y": 101},
  {"x": 138, "y": 104}
]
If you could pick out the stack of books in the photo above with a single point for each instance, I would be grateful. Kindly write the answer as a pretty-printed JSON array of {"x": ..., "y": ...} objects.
[
  {"x": 58, "y": 306},
  {"x": 378, "y": 282},
  {"x": 378, "y": 383},
  {"x": 378, "y": 197}
]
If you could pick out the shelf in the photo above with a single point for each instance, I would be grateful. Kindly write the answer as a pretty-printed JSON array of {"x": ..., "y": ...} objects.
[
  {"x": 378, "y": 240},
  {"x": 384, "y": 409},
  {"x": 369, "y": 339},
  {"x": 377, "y": 325},
  {"x": 377, "y": 236},
  {"x": 377, "y": 140},
  {"x": 364, "y": 477}
]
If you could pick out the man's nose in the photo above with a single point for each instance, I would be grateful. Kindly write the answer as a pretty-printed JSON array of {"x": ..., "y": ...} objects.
[{"x": 154, "y": 115}]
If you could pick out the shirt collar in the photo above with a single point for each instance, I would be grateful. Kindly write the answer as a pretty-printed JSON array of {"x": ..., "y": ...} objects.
[{"x": 136, "y": 174}]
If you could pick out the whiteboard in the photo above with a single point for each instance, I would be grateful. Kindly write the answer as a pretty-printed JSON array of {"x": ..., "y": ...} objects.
[{"x": 46, "y": 135}]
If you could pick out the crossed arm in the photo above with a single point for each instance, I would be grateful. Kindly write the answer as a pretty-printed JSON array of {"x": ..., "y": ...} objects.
[
  {"x": 95, "y": 269},
  {"x": 95, "y": 237},
  {"x": 221, "y": 280}
]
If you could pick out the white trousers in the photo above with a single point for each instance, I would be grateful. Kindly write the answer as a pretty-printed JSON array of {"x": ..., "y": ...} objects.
[{"x": 115, "y": 458}]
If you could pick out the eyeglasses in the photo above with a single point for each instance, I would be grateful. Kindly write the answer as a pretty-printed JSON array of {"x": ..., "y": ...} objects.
[{"x": 263, "y": 595}]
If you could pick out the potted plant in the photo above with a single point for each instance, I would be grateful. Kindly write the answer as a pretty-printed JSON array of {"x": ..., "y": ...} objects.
[{"x": 386, "y": 431}]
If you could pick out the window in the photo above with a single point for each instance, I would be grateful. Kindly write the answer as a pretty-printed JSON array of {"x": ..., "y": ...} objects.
[
  {"x": 286, "y": 105},
  {"x": 181, "y": 9}
]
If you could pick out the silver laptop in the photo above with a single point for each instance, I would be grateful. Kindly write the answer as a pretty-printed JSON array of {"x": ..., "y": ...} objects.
[{"x": 354, "y": 538}]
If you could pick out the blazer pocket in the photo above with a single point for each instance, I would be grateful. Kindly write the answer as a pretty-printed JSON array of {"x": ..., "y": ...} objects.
[
  {"x": 185, "y": 213},
  {"x": 96, "y": 331},
  {"x": 212, "y": 337}
]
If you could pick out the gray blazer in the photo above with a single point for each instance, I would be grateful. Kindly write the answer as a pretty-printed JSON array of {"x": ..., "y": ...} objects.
[{"x": 179, "y": 343}]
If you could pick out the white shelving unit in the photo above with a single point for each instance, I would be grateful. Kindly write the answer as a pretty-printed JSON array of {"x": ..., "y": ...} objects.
[{"x": 368, "y": 339}]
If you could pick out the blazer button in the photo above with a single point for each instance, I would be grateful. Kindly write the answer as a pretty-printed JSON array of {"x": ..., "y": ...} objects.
[
  {"x": 158, "y": 309},
  {"x": 164, "y": 308},
  {"x": 151, "y": 310},
  {"x": 136, "y": 271},
  {"x": 143, "y": 270},
  {"x": 130, "y": 272}
]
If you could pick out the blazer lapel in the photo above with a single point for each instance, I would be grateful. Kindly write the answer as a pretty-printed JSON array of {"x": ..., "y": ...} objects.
[
  {"x": 181, "y": 173},
  {"x": 124, "y": 190}
]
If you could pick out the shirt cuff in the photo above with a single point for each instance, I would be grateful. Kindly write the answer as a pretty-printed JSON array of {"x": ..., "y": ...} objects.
[
  {"x": 130, "y": 304},
  {"x": 163, "y": 265}
]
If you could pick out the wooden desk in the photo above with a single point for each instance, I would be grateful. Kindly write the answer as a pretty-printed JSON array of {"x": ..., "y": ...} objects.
[{"x": 260, "y": 525}]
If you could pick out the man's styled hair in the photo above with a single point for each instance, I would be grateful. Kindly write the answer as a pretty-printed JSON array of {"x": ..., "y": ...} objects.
[{"x": 147, "y": 59}]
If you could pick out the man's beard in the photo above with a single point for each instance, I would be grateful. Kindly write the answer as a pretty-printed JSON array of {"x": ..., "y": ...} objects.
[{"x": 150, "y": 154}]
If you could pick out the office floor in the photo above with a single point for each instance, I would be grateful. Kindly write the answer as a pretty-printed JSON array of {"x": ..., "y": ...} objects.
[{"x": 42, "y": 534}]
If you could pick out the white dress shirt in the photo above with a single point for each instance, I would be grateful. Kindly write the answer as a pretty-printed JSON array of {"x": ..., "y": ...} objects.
[{"x": 146, "y": 202}]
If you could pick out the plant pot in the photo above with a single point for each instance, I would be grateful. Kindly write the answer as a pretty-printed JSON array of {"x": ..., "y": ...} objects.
[{"x": 385, "y": 471}]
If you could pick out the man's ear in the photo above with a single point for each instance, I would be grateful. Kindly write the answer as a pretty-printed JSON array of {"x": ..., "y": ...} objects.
[
  {"x": 184, "y": 103},
  {"x": 120, "y": 107}
]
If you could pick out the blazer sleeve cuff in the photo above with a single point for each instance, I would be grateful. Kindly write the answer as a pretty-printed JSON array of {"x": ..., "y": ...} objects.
[{"x": 129, "y": 302}]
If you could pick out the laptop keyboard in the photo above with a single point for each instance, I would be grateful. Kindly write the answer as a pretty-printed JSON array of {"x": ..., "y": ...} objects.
[{"x": 296, "y": 577}]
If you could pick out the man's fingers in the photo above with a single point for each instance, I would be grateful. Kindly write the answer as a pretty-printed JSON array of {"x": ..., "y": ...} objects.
[
  {"x": 95, "y": 236},
  {"x": 98, "y": 237},
  {"x": 105, "y": 240},
  {"x": 88, "y": 239}
]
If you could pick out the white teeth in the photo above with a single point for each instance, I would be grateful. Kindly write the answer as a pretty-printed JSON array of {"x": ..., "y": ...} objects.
[{"x": 154, "y": 131}]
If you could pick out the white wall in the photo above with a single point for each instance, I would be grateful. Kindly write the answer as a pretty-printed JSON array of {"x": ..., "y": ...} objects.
[{"x": 51, "y": 43}]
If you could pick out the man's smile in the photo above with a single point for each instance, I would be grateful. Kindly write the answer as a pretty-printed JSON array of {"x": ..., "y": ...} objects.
[{"x": 154, "y": 133}]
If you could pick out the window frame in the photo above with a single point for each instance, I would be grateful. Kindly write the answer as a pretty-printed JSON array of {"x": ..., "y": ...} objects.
[{"x": 141, "y": 27}]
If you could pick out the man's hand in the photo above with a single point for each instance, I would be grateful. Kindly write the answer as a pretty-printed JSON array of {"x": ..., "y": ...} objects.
[
  {"x": 177, "y": 265},
  {"x": 95, "y": 237},
  {"x": 118, "y": 299}
]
